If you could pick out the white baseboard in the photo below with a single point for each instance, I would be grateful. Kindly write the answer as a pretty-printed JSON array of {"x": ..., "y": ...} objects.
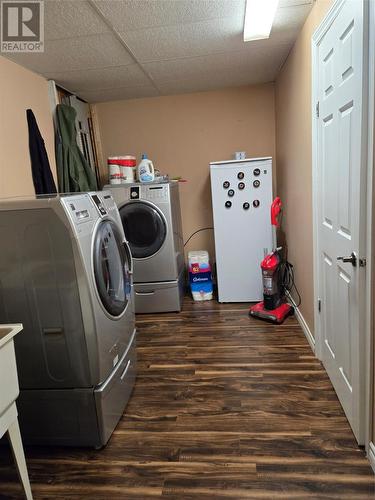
[
  {"x": 305, "y": 327},
  {"x": 371, "y": 455}
]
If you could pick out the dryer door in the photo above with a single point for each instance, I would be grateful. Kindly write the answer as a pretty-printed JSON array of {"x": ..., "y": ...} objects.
[
  {"x": 111, "y": 268},
  {"x": 145, "y": 228}
]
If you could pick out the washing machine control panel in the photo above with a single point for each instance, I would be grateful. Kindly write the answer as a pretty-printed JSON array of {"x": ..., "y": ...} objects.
[
  {"x": 81, "y": 212},
  {"x": 157, "y": 193},
  {"x": 79, "y": 215},
  {"x": 134, "y": 193},
  {"x": 106, "y": 204},
  {"x": 78, "y": 208},
  {"x": 99, "y": 204},
  {"x": 150, "y": 192}
]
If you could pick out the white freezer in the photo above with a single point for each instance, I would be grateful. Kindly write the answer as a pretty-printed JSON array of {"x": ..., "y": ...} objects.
[{"x": 241, "y": 201}]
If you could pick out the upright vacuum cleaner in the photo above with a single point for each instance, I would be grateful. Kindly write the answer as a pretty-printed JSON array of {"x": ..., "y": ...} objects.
[{"x": 278, "y": 278}]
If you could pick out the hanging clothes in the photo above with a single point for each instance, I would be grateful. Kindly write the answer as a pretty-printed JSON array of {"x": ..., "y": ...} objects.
[
  {"x": 74, "y": 173},
  {"x": 40, "y": 167}
]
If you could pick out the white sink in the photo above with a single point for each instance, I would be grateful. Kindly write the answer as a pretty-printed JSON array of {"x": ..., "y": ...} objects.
[
  {"x": 8, "y": 394},
  {"x": 8, "y": 369},
  {"x": 8, "y": 331}
]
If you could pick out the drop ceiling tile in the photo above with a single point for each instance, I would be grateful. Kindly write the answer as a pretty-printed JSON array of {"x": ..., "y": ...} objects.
[
  {"x": 216, "y": 81},
  {"x": 118, "y": 94},
  {"x": 259, "y": 60},
  {"x": 185, "y": 45},
  {"x": 86, "y": 52},
  {"x": 191, "y": 39},
  {"x": 290, "y": 19},
  {"x": 208, "y": 37},
  {"x": 70, "y": 18},
  {"x": 127, "y": 15},
  {"x": 101, "y": 78}
]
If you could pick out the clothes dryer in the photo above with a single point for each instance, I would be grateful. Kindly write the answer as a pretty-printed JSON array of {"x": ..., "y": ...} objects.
[
  {"x": 151, "y": 218},
  {"x": 66, "y": 275}
]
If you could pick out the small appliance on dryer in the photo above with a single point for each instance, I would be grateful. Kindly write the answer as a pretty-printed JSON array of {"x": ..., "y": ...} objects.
[
  {"x": 65, "y": 274},
  {"x": 151, "y": 217}
]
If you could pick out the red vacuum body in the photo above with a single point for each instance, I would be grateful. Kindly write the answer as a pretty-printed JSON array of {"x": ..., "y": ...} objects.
[{"x": 274, "y": 307}]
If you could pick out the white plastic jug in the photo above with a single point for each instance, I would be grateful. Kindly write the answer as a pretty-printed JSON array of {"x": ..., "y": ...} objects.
[{"x": 145, "y": 169}]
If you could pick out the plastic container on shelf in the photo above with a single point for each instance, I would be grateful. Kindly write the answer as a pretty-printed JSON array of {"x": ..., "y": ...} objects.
[
  {"x": 146, "y": 170},
  {"x": 200, "y": 275}
]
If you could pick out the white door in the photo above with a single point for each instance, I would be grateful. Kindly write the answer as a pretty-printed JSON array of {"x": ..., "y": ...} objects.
[{"x": 340, "y": 195}]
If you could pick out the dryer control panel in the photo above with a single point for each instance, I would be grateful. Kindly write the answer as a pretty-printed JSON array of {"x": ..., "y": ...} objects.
[
  {"x": 157, "y": 193},
  {"x": 134, "y": 192},
  {"x": 153, "y": 192},
  {"x": 150, "y": 192},
  {"x": 79, "y": 208},
  {"x": 81, "y": 212},
  {"x": 108, "y": 204},
  {"x": 99, "y": 204}
]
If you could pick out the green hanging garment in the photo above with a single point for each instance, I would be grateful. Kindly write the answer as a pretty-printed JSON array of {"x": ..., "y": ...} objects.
[{"x": 74, "y": 173}]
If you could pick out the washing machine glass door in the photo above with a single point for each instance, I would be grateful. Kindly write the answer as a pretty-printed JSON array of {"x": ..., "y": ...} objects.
[
  {"x": 144, "y": 227},
  {"x": 111, "y": 268}
]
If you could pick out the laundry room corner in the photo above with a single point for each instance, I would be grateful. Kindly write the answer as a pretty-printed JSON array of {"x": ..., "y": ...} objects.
[
  {"x": 187, "y": 249},
  {"x": 184, "y": 133}
]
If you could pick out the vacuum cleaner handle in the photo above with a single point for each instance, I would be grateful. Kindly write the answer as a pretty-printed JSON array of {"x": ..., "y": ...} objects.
[{"x": 276, "y": 208}]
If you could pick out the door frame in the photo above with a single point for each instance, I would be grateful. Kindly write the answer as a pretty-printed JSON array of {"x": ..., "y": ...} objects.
[
  {"x": 370, "y": 337},
  {"x": 367, "y": 209}
]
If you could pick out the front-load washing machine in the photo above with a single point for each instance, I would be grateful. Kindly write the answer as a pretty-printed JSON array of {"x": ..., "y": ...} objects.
[
  {"x": 66, "y": 275},
  {"x": 151, "y": 217}
]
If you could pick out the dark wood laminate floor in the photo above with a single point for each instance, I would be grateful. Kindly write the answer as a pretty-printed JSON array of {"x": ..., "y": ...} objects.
[{"x": 225, "y": 407}]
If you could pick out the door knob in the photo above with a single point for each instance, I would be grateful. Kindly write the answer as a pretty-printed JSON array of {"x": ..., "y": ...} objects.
[{"x": 352, "y": 258}]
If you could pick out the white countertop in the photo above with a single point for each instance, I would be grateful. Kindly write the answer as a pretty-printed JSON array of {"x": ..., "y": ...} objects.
[{"x": 7, "y": 332}]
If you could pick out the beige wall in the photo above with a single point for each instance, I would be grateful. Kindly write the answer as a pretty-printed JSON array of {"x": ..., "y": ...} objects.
[
  {"x": 183, "y": 133},
  {"x": 21, "y": 89},
  {"x": 294, "y": 156}
]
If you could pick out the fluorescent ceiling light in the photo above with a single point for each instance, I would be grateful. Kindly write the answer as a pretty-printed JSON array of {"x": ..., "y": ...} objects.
[{"x": 259, "y": 16}]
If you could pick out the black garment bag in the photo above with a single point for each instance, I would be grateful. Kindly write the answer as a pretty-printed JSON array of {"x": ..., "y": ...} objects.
[{"x": 40, "y": 167}]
